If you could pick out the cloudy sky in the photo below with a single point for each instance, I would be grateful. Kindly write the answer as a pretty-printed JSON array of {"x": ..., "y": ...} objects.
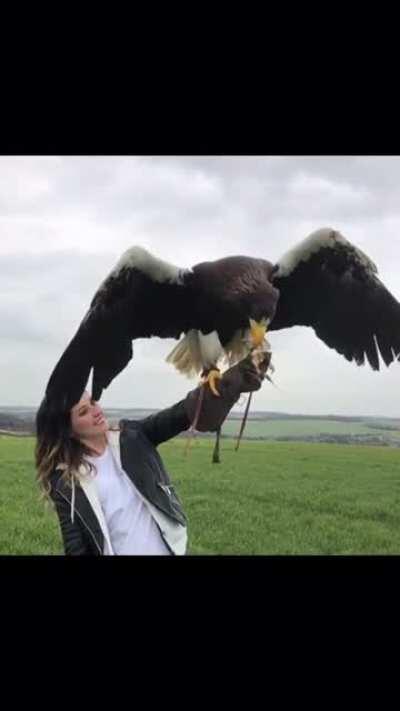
[{"x": 64, "y": 221}]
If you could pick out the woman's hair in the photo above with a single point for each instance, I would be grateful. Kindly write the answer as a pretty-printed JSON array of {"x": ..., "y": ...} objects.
[{"x": 55, "y": 444}]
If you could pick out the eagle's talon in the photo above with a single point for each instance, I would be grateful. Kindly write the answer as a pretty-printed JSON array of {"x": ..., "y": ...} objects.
[{"x": 210, "y": 378}]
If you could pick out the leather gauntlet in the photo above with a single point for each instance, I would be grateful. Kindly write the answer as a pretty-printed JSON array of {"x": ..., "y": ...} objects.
[{"x": 244, "y": 377}]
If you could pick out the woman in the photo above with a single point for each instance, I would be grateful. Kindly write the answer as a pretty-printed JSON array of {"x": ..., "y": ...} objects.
[{"x": 110, "y": 489}]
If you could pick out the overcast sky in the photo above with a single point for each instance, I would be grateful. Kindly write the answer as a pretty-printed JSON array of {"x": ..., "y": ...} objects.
[{"x": 64, "y": 221}]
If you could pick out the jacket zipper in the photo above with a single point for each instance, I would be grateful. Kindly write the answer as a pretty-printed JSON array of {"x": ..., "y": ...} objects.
[
  {"x": 165, "y": 487},
  {"x": 169, "y": 488},
  {"x": 83, "y": 521}
]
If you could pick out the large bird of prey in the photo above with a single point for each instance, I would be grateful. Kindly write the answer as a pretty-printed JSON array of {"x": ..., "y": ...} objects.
[{"x": 223, "y": 308}]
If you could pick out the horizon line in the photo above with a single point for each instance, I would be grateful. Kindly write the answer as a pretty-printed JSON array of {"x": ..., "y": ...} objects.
[{"x": 264, "y": 412}]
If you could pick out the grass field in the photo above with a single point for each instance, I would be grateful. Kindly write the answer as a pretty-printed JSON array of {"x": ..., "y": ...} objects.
[{"x": 268, "y": 498}]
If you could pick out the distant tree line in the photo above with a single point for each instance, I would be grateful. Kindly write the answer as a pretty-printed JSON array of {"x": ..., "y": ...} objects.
[{"x": 16, "y": 424}]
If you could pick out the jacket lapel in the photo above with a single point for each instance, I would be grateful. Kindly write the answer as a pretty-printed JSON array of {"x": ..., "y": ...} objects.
[{"x": 89, "y": 486}]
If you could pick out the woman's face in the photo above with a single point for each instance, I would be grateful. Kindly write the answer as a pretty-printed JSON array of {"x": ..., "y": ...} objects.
[{"x": 87, "y": 418}]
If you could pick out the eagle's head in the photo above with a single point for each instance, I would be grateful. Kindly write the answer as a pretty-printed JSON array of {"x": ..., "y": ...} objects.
[{"x": 260, "y": 311}]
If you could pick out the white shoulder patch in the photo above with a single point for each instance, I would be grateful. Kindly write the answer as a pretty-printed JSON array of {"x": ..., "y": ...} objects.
[
  {"x": 325, "y": 237},
  {"x": 158, "y": 270}
]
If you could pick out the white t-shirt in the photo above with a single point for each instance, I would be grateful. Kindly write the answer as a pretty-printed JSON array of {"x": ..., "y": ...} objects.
[{"x": 133, "y": 531}]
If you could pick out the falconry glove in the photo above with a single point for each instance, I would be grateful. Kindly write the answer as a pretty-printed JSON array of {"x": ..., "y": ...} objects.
[{"x": 244, "y": 377}]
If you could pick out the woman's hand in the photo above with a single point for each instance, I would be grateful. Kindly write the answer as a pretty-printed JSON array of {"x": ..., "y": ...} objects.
[
  {"x": 244, "y": 377},
  {"x": 247, "y": 375}
]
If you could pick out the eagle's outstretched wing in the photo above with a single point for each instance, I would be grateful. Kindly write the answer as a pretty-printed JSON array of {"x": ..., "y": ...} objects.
[
  {"x": 142, "y": 297},
  {"x": 327, "y": 283}
]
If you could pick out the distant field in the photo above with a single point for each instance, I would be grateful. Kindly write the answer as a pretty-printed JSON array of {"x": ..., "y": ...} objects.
[
  {"x": 361, "y": 430},
  {"x": 279, "y": 428},
  {"x": 268, "y": 498}
]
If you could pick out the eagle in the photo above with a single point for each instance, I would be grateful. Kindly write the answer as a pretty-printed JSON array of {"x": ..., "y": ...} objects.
[{"x": 221, "y": 310}]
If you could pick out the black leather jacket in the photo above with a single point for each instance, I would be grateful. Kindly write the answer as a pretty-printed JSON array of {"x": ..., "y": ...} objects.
[{"x": 142, "y": 463}]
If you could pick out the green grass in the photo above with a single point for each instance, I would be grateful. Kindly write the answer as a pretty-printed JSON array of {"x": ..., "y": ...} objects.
[
  {"x": 267, "y": 498},
  {"x": 26, "y": 526}
]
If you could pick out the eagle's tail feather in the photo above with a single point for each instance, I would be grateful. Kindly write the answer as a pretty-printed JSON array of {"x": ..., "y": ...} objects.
[{"x": 186, "y": 355}]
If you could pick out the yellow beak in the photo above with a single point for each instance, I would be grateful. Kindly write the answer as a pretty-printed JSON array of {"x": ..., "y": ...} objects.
[{"x": 258, "y": 330}]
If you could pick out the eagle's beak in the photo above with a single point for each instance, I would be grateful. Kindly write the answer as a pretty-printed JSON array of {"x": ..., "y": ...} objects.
[{"x": 258, "y": 330}]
